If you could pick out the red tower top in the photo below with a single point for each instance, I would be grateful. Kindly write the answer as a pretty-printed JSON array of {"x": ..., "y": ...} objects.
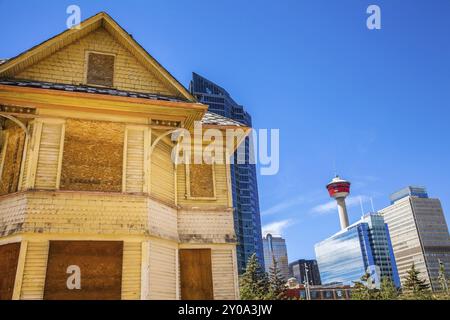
[{"x": 338, "y": 188}]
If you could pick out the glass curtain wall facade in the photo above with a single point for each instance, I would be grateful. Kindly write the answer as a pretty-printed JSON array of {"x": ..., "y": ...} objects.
[
  {"x": 275, "y": 248},
  {"x": 298, "y": 271},
  {"x": 346, "y": 256},
  {"x": 247, "y": 221}
]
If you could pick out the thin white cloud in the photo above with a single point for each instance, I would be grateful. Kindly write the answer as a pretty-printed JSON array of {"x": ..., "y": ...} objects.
[
  {"x": 331, "y": 206},
  {"x": 283, "y": 206},
  {"x": 277, "y": 227}
]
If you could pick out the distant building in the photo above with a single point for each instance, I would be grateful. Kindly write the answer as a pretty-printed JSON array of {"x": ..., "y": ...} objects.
[
  {"x": 410, "y": 191},
  {"x": 333, "y": 292},
  {"x": 275, "y": 247},
  {"x": 419, "y": 233},
  {"x": 297, "y": 269},
  {"x": 362, "y": 247},
  {"x": 247, "y": 220}
]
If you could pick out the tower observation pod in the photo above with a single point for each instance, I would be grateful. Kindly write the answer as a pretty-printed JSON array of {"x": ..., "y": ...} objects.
[{"x": 339, "y": 189}]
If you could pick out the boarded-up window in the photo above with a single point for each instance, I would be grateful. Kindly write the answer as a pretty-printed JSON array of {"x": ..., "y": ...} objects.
[
  {"x": 9, "y": 256},
  {"x": 12, "y": 159},
  {"x": 196, "y": 274},
  {"x": 100, "y": 69},
  {"x": 98, "y": 264},
  {"x": 93, "y": 156},
  {"x": 201, "y": 181}
]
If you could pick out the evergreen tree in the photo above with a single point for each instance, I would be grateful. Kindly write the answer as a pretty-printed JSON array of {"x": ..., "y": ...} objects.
[
  {"x": 415, "y": 287},
  {"x": 253, "y": 282},
  {"x": 277, "y": 284},
  {"x": 442, "y": 278},
  {"x": 388, "y": 291},
  {"x": 361, "y": 291}
]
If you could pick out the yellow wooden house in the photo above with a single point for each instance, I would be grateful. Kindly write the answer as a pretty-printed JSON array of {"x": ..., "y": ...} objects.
[{"x": 91, "y": 204}]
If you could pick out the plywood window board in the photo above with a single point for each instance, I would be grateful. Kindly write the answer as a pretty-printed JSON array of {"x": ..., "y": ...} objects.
[
  {"x": 196, "y": 274},
  {"x": 93, "y": 156},
  {"x": 9, "y": 258},
  {"x": 100, "y": 269},
  {"x": 100, "y": 69},
  {"x": 200, "y": 181},
  {"x": 12, "y": 160}
]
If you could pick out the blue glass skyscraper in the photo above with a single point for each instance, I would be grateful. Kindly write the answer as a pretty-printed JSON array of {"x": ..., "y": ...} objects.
[
  {"x": 364, "y": 246},
  {"x": 247, "y": 221}
]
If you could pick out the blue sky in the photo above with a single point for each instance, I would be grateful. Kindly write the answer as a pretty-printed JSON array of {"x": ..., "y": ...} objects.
[{"x": 373, "y": 104}]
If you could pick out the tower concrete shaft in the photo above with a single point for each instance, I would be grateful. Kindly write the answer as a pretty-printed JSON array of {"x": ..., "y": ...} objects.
[{"x": 343, "y": 216}]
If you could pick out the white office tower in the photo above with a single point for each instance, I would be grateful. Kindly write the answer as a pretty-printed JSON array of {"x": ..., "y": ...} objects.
[{"x": 419, "y": 234}]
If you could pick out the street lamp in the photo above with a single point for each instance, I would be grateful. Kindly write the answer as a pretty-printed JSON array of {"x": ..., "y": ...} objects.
[{"x": 307, "y": 289}]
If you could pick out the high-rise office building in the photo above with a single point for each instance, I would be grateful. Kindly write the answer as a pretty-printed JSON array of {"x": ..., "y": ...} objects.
[
  {"x": 247, "y": 221},
  {"x": 299, "y": 268},
  {"x": 275, "y": 248},
  {"x": 419, "y": 233},
  {"x": 363, "y": 247}
]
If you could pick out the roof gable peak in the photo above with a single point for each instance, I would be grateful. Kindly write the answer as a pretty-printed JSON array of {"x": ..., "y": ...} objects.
[{"x": 100, "y": 20}]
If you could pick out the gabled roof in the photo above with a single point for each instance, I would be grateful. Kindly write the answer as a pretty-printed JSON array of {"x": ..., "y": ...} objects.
[
  {"x": 85, "y": 89},
  {"x": 211, "y": 118},
  {"x": 14, "y": 65}
]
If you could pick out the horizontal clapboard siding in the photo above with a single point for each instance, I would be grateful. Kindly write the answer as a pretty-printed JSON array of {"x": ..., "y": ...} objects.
[
  {"x": 33, "y": 282},
  {"x": 162, "y": 173},
  {"x": 131, "y": 271},
  {"x": 163, "y": 271},
  {"x": 135, "y": 159},
  {"x": 223, "y": 274},
  {"x": 49, "y": 156},
  {"x": 26, "y": 161}
]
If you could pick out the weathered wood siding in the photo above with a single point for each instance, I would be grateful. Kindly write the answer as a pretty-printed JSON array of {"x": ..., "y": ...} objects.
[
  {"x": 206, "y": 226},
  {"x": 162, "y": 220},
  {"x": 224, "y": 274},
  {"x": 33, "y": 281},
  {"x": 12, "y": 214},
  {"x": 136, "y": 175},
  {"x": 131, "y": 274},
  {"x": 49, "y": 156},
  {"x": 162, "y": 173},
  {"x": 68, "y": 65},
  {"x": 163, "y": 271},
  {"x": 26, "y": 160}
]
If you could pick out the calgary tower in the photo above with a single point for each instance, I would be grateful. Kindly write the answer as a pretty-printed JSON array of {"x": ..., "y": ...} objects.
[{"x": 339, "y": 189}]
